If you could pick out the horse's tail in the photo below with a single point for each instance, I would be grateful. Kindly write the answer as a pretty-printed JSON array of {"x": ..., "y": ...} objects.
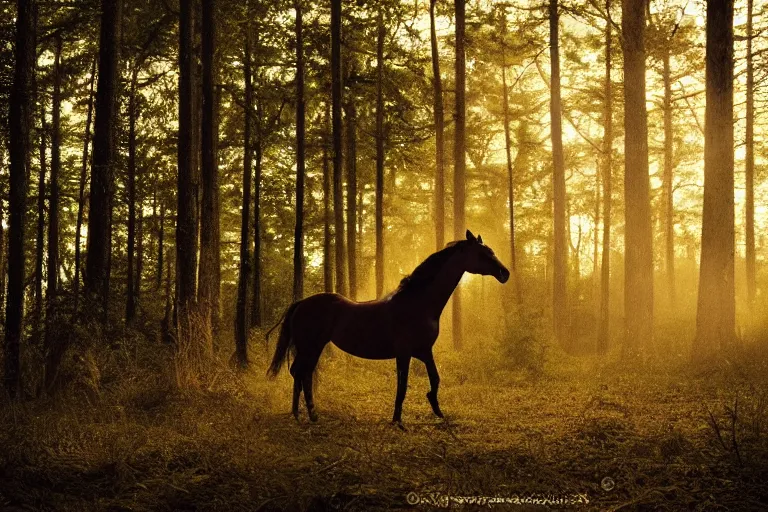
[{"x": 284, "y": 342}]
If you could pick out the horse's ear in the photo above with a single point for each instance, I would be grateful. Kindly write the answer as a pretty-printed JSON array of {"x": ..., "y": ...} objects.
[
  {"x": 479, "y": 239},
  {"x": 471, "y": 237}
]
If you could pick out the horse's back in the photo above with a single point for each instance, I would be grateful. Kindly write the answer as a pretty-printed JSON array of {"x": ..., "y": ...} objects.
[
  {"x": 363, "y": 329},
  {"x": 318, "y": 308}
]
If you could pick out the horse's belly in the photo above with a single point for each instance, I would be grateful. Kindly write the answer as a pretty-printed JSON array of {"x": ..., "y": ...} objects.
[
  {"x": 366, "y": 343},
  {"x": 366, "y": 350}
]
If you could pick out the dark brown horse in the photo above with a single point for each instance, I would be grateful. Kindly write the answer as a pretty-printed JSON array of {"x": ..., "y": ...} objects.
[{"x": 400, "y": 326}]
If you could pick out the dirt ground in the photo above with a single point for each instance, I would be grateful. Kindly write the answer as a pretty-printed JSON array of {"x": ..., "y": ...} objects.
[{"x": 586, "y": 434}]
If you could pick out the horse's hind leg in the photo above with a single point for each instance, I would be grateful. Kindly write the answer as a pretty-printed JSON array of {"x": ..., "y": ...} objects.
[
  {"x": 296, "y": 394},
  {"x": 307, "y": 384},
  {"x": 308, "y": 370}
]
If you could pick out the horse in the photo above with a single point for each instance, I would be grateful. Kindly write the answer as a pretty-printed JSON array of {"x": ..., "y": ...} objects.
[{"x": 402, "y": 325}]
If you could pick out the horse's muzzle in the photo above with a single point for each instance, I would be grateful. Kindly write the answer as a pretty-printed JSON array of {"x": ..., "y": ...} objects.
[{"x": 503, "y": 275}]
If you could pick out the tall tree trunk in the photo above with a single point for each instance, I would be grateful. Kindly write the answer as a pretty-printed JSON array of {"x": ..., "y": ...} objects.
[
  {"x": 749, "y": 164},
  {"x": 603, "y": 329},
  {"x": 459, "y": 158},
  {"x": 165, "y": 325},
  {"x": 130, "y": 303},
  {"x": 2, "y": 247},
  {"x": 437, "y": 108},
  {"x": 3, "y": 146},
  {"x": 139, "y": 249},
  {"x": 154, "y": 233},
  {"x": 53, "y": 200},
  {"x": 105, "y": 127},
  {"x": 380, "y": 153},
  {"x": 638, "y": 255},
  {"x": 510, "y": 174},
  {"x": 560, "y": 271},
  {"x": 105, "y": 300},
  {"x": 336, "y": 98},
  {"x": 256, "y": 319},
  {"x": 596, "y": 243},
  {"x": 716, "y": 313},
  {"x": 81, "y": 189},
  {"x": 351, "y": 168},
  {"x": 53, "y": 354},
  {"x": 186, "y": 223},
  {"x": 160, "y": 245},
  {"x": 327, "y": 220},
  {"x": 210, "y": 255},
  {"x": 40, "y": 239},
  {"x": 669, "y": 221},
  {"x": 20, "y": 112},
  {"x": 298, "y": 233},
  {"x": 241, "y": 315}
]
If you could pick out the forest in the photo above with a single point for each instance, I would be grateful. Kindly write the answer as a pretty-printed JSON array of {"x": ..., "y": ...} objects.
[{"x": 551, "y": 209}]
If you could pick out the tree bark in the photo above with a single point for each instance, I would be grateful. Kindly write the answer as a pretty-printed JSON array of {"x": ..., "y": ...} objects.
[
  {"x": 53, "y": 354},
  {"x": 160, "y": 245},
  {"x": 186, "y": 223},
  {"x": 20, "y": 111},
  {"x": 3, "y": 261},
  {"x": 603, "y": 328},
  {"x": 40, "y": 239},
  {"x": 380, "y": 153},
  {"x": 81, "y": 190},
  {"x": 336, "y": 99},
  {"x": 327, "y": 220},
  {"x": 241, "y": 315},
  {"x": 438, "y": 110},
  {"x": 351, "y": 168},
  {"x": 716, "y": 312},
  {"x": 256, "y": 319},
  {"x": 596, "y": 242},
  {"x": 53, "y": 200},
  {"x": 105, "y": 127},
  {"x": 139, "y": 248},
  {"x": 130, "y": 303},
  {"x": 749, "y": 164},
  {"x": 510, "y": 173},
  {"x": 459, "y": 157},
  {"x": 638, "y": 256},
  {"x": 3, "y": 146},
  {"x": 210, "y": 254},
  {"x": 298, "y": 233},
  {"x": 559, "y": 274},
  {"x": 165, "y": 325},
  {"x": 669, "y": 212}
]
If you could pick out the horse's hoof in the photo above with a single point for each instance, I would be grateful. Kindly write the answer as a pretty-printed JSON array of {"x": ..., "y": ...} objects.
[
  {"x": 435, "y": 407},
  {"x": 295, "y": 415},
  {"x": 312, "y": 416},
  {"x": 399, "y": 425}
]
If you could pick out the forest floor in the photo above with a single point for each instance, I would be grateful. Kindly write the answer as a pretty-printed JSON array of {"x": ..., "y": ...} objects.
[{"x": 584, "y": 435}]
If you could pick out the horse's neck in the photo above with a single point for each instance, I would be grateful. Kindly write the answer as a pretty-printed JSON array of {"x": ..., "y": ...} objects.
[{"x": 443, "y": 285}]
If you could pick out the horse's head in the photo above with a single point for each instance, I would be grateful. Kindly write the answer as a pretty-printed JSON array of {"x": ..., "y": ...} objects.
[{"x": 480, "y": 259}]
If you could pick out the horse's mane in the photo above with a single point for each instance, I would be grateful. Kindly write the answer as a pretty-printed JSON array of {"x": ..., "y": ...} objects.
[{"x": 425, "y": 273}]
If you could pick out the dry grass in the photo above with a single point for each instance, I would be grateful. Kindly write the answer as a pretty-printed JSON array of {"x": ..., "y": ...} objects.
[{"x": 232, "y": 445}]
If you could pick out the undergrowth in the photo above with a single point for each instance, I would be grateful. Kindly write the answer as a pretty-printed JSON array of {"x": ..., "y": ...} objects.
[{"x": 664, "y": 436}]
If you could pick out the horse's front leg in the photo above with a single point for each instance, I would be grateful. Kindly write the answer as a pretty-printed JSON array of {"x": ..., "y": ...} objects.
[
  {"x": 434, "y": 383},
  {"x": 403, "y": 365}
]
